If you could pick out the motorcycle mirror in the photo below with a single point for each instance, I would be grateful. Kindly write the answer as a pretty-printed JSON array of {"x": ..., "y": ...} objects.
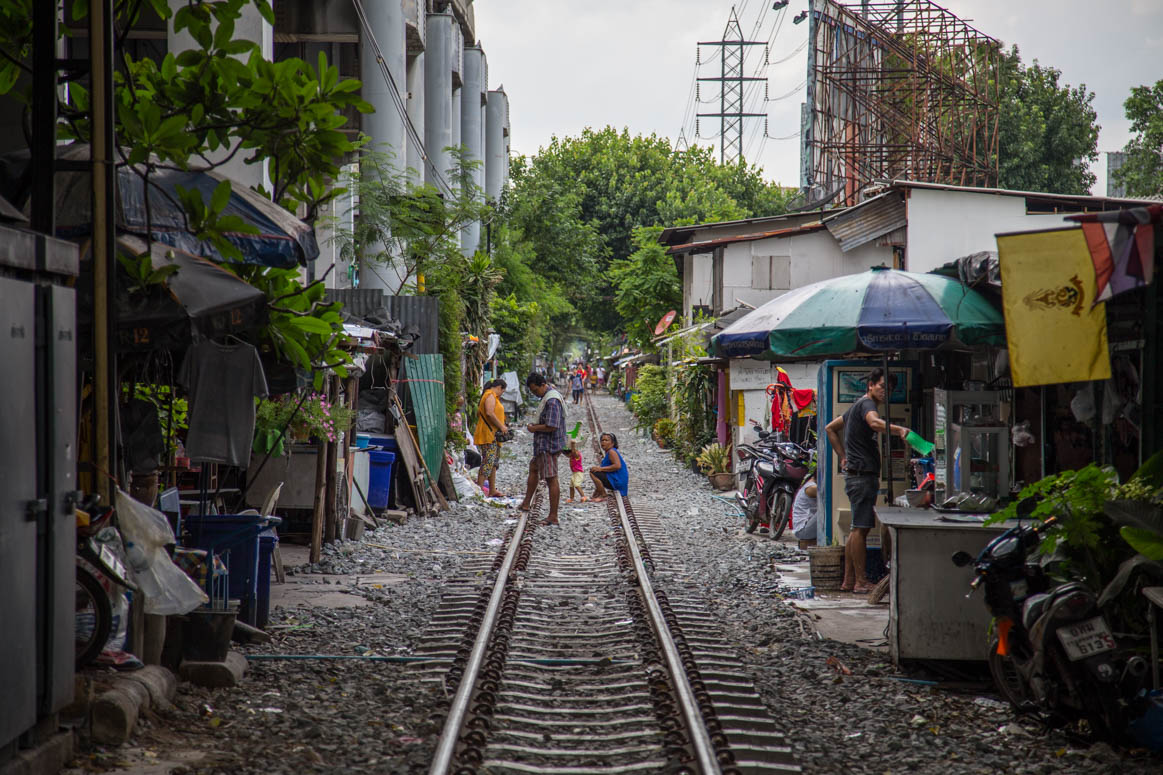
[
  {"x": 1026, "y": 506},
  {"x": 961, "y": 559}
]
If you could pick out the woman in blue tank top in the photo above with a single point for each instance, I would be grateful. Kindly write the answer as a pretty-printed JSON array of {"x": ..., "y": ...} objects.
[{"x": 612, "y": 474}]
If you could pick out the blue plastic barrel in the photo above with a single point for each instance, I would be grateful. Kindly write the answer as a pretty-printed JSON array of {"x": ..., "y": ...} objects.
[
  {"x": 236, "y": 538},
  {"x": 267, "y": 541},
  {"x": 386, "y": 443},
  {"x": 379, "y": 485}
]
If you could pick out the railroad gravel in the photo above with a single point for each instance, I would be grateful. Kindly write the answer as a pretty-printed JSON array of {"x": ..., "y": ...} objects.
[{"x": 843, "y": 707}]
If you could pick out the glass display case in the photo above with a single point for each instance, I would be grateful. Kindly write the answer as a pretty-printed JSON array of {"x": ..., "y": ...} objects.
[
  {"x": 979, "y": 460},
  {"x": 979, "y": 408}
]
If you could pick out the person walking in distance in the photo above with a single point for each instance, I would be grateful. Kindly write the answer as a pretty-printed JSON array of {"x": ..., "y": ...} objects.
[
  {"x": 853, "y": 436},
  {"x": 576, "y": 385},
  {"x": 548, "y": 442}
]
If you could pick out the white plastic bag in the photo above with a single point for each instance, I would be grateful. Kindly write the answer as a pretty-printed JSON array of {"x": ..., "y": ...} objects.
[
  {"x": 465, "y": 487},
  {"x": 167, "y": 589},
  {"x": 1082, "y": 405}
]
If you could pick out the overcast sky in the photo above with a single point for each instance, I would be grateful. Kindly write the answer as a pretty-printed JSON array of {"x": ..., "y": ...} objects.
[{"x": 631, "y": 63}]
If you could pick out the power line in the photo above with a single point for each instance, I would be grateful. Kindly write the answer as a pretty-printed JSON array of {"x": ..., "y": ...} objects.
[
  {"x": 799, "y": 48},
  {"x": 803, "y": 83}
]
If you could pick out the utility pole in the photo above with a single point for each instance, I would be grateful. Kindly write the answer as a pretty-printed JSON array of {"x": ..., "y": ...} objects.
[{"x": 731, "y": 82}]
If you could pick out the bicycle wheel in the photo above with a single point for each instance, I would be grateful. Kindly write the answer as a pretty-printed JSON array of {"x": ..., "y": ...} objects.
[
  {"x": 94, "y": 617},
  {"x": 779, "y": 513}
]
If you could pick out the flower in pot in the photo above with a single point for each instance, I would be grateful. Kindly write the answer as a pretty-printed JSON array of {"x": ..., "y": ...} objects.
[
  {"x": 714, "y": 462},
  {"x": 296, "y": 418}
]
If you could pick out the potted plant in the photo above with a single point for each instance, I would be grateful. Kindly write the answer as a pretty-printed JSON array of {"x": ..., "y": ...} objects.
[
  {"x": 714, "y": 462},
  {"x": 315, "y": 419}
]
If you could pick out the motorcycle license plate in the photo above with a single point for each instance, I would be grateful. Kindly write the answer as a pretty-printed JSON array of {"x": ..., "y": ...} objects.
[{"x": 1085, "y": 639}]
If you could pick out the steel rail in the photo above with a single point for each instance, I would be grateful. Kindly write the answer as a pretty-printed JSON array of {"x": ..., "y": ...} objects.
[
  {"x": 456, "y": 713},
  {"x": 704, "y": 750}
]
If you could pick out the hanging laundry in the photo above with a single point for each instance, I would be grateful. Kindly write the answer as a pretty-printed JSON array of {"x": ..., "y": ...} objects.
[
  {"x": 781, "y": 407},
  {"x": 222, "y": 382}
]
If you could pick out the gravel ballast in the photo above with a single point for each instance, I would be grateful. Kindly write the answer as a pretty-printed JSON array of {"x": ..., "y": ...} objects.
[{"x": 844, "y": 708}]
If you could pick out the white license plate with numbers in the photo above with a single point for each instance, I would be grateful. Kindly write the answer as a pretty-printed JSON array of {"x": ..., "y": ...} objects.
[{"x": 1085, "y": 639}]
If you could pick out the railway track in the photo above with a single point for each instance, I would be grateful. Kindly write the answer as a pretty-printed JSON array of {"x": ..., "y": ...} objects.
[{"x": 591, "y": 663}]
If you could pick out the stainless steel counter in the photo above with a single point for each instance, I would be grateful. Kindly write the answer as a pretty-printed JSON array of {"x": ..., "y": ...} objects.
[{"x": 929, "y": 615}]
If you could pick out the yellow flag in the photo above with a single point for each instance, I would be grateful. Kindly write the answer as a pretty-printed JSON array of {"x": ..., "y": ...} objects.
[{"x": 1054, "y": 330}]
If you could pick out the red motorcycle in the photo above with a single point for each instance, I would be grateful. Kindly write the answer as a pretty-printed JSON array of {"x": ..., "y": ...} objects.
[{"x": 777, "y": 468}]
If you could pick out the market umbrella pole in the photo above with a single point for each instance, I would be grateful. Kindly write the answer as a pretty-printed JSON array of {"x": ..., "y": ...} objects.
[{"x": 888, "y": 428}]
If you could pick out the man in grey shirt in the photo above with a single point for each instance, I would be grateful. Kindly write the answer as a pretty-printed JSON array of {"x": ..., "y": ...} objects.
[{"x": 860, "y": 462}]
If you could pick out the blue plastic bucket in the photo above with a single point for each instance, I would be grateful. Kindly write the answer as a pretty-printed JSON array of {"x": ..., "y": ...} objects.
[
  {"x": 363, "y": 440},
  {"x": 380, "y": 478}
]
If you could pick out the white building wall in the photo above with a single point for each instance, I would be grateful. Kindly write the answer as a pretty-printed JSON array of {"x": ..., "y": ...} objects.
[
  {"x": 752, "y": 377},
  {"x": 946, "y": 225},
  {"x": 812, "y": 257},
  {"x": 697, "y": 282}
]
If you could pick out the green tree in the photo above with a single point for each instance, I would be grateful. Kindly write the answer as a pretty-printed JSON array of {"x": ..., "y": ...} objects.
[
  {"x": 646, "y": 286},
  {"x": 577, "y": 203},
  {"x": 1047, "y": 135},
  {"x": 515, "y": 322},
  {"x": 408, "y": 230},
  {"x": 1142, "y": 171},
  {"x": 199, "y": 109}
]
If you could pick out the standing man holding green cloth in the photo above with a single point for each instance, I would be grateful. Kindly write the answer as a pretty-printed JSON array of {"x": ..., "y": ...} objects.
[
  {"x": 859, "y": 455},
  {"x": 548, "y": 442}
]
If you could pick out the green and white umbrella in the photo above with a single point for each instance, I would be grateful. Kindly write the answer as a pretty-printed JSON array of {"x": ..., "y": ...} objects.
[{"x": 877, "y": 311}]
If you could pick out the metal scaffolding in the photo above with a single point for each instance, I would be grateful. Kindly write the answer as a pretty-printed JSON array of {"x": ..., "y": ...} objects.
[{"x": 898, "y": 89}]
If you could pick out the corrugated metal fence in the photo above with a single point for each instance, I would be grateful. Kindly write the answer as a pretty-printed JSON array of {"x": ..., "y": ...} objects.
[
  {"x": 418, "y": 312},
  {"x": 425, "y": 376}
]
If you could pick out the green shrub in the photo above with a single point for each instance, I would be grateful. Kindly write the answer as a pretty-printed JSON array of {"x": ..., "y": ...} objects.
[
  {"x": 649, "y": 402},
  {"x": 665, "y": 429}
]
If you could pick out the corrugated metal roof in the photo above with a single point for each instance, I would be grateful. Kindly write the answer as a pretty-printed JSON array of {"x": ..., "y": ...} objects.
[
  {"x": 675, "y": 234},
  {"x": 1081, "y": 201},
  {"x": 703, "y": 247},
  {"x": 868, "y": 220}
]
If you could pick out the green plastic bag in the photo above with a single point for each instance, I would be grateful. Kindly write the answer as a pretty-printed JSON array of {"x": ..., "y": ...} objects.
[{"x": 919, "y": 444}]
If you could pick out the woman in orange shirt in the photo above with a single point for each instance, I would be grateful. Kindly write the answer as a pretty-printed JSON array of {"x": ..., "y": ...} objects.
[{"x": 490, "y": 420}]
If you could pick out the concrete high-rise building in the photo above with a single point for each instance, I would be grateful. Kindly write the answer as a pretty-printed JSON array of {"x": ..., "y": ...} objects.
[
  {"x": 472, "y": 96},
  {"x": 431, "y": 92},
  {"x": 441, "y": 73},
  {"x": 496, "y": 144}
]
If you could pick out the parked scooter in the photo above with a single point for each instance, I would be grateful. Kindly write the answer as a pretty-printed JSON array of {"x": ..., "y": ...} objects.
[
  {"x": 777, "y": 468},
  {"x": 94, "y": 609},
  {"x": 1052, "y": 650}
]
